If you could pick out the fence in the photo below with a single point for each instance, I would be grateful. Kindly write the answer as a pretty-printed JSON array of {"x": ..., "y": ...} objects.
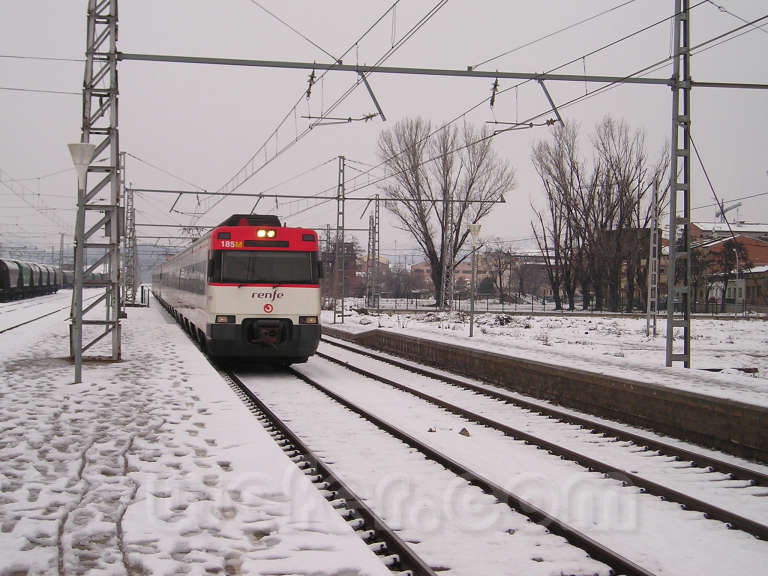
[{"x": 489, "y": 303}]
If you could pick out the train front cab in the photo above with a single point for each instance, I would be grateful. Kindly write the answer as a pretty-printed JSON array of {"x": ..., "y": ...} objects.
[{"x": 264, "y": 303}]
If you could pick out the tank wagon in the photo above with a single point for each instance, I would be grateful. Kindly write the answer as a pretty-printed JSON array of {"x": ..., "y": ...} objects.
[
  {"x": 19, "y": 279},
  {"x": 248, "y": 289}
]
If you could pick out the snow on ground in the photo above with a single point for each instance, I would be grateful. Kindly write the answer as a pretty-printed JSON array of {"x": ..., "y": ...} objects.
[
  {"x": 150, "y": 466},
  {"x": 615, "y": 345}
]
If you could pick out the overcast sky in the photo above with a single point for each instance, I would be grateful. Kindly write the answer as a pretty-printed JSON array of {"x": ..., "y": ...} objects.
[{"x": 201, "y": 123}]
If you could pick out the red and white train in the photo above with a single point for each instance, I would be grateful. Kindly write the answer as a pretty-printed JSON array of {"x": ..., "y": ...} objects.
[{"x": 248, "y": 289}]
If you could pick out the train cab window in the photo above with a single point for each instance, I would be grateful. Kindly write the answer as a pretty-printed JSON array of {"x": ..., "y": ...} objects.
[{"x": 264, "y": 267}]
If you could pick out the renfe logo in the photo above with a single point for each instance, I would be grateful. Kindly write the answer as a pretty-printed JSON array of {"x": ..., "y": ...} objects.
[{"x": 272, "y": 296}]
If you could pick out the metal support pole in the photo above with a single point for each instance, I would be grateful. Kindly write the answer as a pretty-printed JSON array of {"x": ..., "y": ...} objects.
[
  {"x": 653, "y": 265},
  {"x": 370, "y": 274},
  {"x": 377, "y": 255},
  {"x": 99, "y": 122},
  {"x": 130, "y": 259},
  {"x": 679, "y": 268},
  {"x": 338, "y": 276},
  {"x": 475, "y": 231}
]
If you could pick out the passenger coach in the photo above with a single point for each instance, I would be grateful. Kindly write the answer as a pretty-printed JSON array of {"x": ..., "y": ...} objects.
[{"x": 247, "y": 289}]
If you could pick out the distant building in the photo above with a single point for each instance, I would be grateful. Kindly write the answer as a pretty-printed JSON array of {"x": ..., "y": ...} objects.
[
  {"x": 746, "y": 286},
  {"x": 717, "y": 230}
]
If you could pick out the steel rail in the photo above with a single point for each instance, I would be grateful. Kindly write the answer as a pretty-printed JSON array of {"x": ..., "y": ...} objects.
[
  {"x": 700, "y": 460},
  {"x": 373, "y": 526},
  {"x": 599, "y": 552},
  {"x": 627, "y": 478},
  {"x": 39, "y": 317}
]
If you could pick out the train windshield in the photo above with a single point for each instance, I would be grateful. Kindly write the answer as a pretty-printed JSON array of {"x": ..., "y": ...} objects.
[{"x": 264, "y": 267}]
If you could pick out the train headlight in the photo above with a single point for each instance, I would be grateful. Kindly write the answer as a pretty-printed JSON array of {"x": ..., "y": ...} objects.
[
  {"x": 224, "y": 319},
  {"x": 270, "y": 233},
  {"x": 261, "y": 233},
  {"x": 307, "y": 319}
]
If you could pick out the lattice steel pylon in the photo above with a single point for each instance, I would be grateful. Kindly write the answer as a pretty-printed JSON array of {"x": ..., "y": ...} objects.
[
  {"x": 97, "y": 228},
  {"x": 653, "y": 266},
  {"x": 679, "y": 266},
  {"x": 130, "y": 257},
  {"x": 338, "y": 270}
]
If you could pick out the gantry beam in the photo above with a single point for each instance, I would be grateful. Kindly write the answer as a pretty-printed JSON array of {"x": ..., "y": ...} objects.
[{"x": 446, "y": 72}]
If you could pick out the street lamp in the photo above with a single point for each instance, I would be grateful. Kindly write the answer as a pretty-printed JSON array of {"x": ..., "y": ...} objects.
[
  {"x": 474, "y": 229},
  {"x": 82, "y": 153}
]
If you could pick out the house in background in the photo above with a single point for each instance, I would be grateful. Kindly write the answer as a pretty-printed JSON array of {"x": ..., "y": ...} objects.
[{"x": 732, "y": 282}]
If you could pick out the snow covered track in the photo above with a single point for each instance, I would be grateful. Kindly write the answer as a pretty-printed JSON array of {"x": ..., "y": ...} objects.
[
  {"x": 380, "y": 537},
  {"x": 21, "y": 311},
  {"x": 626, "y": 478},
  {"x": 20, "y": 324},
  {"x": 471, "y": 546},
  {"x": 656, "y": 534},
  {"x": 678, "y": 452}
]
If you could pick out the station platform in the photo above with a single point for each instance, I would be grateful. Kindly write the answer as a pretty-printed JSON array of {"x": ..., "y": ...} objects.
[{"x": 151, "y": 465}]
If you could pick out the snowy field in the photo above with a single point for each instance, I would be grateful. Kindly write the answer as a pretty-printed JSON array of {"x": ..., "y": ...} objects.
[{"x": 736, "y": 348}]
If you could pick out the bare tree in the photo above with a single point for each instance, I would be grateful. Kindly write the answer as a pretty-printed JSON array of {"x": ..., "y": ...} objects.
[
  {"x": 627, "y": 181},
  {"x": 560, "y": 170},
  {"x": 592, "y": 228},
  {"x": 438, "y": 184},
  {"x": 499, "y": 260}
]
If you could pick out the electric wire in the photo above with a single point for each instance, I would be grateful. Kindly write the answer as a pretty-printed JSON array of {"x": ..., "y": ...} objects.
[
  {"x": 236, "y": 181},
  {"x": 284, "y": 23},
  {"x": 485, "y": 100},
  {"x": 430, "y": 14},
  {"x": 552, "y": 34},
  {"x": 166, "y": 172},
  {"x": 646, "y": 70},
  {"x": 39, "y": 91},
  {"x": 43, "y": 58},
  {"x": 711, "y": 186},
  {"x": 724, "y": 10},
  {"x": 44, "y": 176}
]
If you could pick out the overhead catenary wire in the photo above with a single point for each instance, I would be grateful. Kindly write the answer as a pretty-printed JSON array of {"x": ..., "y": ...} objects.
[
  {"x": 724, "y": 10},
  {"x": 42, "y": 58},
  {"x": 298, "y": 32},
  {"x": 238, "y": 179},
  {"x": 40, "y": 91},
  {"x": 519, "y": 84},
  {"x": 164, "y": 171},
  {"x": 430, "y": 14},
  {"x": 280, "y": 151},
  {"x": 648, "y": 69},
  {"x": 711, "y": 186},
  {"x": 552, "y": 34},
  {"x": 608, "y": 87}
]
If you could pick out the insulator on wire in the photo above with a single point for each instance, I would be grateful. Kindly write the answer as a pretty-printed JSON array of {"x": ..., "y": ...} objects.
[
  {"x": 311, "y": 83},
  {"x": 494, "y": 90}
]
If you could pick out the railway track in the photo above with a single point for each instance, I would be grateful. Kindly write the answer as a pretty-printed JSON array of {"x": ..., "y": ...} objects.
[
  {"x": 680, "y": 453},
  {"x": 382, "y": 539},
  {"x": 626, "y": 477},
  {"x": 36, "y": 318},
  {"x": 458, "y": 473},
  {"x": 620, "y": 563}
]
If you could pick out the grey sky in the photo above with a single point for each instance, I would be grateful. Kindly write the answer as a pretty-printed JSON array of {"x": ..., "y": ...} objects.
[{"x": 202, "y": 123}]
